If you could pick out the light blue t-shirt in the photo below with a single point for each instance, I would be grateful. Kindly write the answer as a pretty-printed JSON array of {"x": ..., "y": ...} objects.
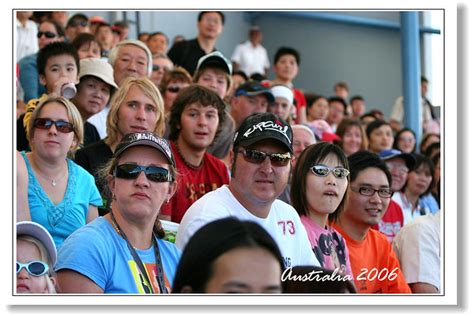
[
  {"x": 98, "y": 252},
  {"x": 429, "y": 202},
  {"x": 71, "y": 213}
]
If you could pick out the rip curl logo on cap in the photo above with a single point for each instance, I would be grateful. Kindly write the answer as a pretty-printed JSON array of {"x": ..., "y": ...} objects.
[
  {"x": 148, "y": 136},
  {"x": 268, "y": 126}
]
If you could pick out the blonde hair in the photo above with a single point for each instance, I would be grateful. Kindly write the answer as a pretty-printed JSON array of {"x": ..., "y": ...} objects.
[
  {"x": 73, "y": 115},
  {"x": 150, "y": 90},
  {"x": 45, "y": 257}
]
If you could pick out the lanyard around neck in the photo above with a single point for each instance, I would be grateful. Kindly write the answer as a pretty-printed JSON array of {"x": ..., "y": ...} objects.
[{"x": 143, "y": 274}]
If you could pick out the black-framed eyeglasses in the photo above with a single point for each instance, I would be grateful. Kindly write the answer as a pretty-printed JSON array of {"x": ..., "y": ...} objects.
[
  {"x": 48, "y": 34},
  {"x": 46, "y": 123},
  {"x": 369, "y": 191},
  {"x": 257, "y": 157},
  {"x": 323, "y": 171},
  {"x": 34, "y": 268},
  {"x": 131, "y": 171}
]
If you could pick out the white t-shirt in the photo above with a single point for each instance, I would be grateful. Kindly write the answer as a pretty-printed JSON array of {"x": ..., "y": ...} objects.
[
  {"x": 27, "y": 42},
  {"x": 251, "y": 59},
  {"x": 398, "y": 111},
  {"x": 99, "y": 120},
  {"x": 417, "y": 246},
  {"x": 282, "y": 223}
]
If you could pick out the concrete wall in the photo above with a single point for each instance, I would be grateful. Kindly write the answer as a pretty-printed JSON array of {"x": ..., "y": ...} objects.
[{"x": 367, "y": 58}]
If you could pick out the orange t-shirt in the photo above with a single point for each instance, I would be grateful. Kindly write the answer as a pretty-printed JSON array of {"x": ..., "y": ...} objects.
[{"x": 375, "y": 266}]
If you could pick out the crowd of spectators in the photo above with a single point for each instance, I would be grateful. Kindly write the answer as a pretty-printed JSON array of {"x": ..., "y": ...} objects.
[{"x": 142, "y": 168}]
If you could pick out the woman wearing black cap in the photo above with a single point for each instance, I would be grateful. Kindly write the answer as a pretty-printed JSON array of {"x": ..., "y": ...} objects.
[{"x": 122, "y": 252}]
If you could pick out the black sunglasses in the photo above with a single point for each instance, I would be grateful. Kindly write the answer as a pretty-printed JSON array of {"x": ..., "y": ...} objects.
[
  {"x": 61, "y": 126},
  {"x": 34, "y": 268},
  {"x": 131, "y": 171},
  {"x": 257, "y": 157},
  {"x": 48, "y": 34},
  {"x": 173, "y": 89},
  {"x": 158, "y": 67}
]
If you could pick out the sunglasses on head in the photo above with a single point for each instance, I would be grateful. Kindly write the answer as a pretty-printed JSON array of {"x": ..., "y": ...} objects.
[
  {"x": 34, "y": 268},
  {"x": 173, "y": 89},
  {"x": 47, "y": 34},
  {"x": 131, "y": 171},
  {"x": 61, "y": 126},
  {"x": 257, "y": 157},
  {"x": 323, "y": 171}
]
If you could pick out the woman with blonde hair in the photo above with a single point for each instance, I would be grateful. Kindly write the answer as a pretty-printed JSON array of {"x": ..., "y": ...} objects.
[
  {"x": 137, "y": 106},
  {"x": 62, "y": 196},
  {"x": 123, "y": 251}
]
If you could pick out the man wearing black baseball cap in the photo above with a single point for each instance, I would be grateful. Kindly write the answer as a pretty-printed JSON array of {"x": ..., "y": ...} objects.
[
  {"x": 399, "y": 164},
  {"x": 250, "y": 97},
  {"x": 262, "y": 154}
]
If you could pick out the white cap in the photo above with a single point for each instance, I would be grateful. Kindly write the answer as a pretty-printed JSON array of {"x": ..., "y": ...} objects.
[
  {"x": 37, "y": 231},
  {"x": 281, "y": 91}
]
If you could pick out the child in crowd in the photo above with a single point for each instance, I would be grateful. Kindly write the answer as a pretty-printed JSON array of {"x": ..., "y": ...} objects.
[
  {"x": 35, "y": 259},
  {"x": 58, "y": 67},
  {"x": 286, "y": 65}
]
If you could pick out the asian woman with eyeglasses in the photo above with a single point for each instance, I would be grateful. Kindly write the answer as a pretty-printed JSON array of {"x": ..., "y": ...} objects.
[
  {"x": 61, "y": 195},
  {"x": 318, "y": 193},
  {"x": 123, "y": 251}
]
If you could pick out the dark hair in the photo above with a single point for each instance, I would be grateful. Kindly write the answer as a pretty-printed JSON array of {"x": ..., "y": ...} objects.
[
  {"x": 55, "y": 49},
  {"x": 340, "y": 100},
  {"x": 399, "y": 134},
  {"x": 311, "y": 98},
  {"x": 324, "y": 284},
  {"x": 374, "y": 125},
  {"x": 422, "y": 160},
  {"x": 312, "y": 155},
  {"x": 122, "y": 24},
  {"x": 257, "y": 77},
  {"x": 286, "y": 51},
  {"x": 432, "y": 149},
  {"x": 341, "y": 84},
  {"x": 157, "y": 33},
  {"x": 356, "y": 98},
  {"x": 83, "y": 38},
  {"x": 75, "y": 17},
  {"x": 201, "y": 14},
  {"x": 194, "y": 94},
  {"x": 364, "y": 159},
  {"x": 369, "y": 114},
  {"x": 424, "y": 79},
  {"x": 425, "y": 139},
  {"x": 240, "y": 73},
  {"x": 213, "y": 240},
  {"x": 344, "y": 125},
  {"x": 58, "y": 27}
]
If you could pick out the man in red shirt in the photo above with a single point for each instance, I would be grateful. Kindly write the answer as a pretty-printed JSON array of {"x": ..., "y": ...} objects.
[{"x": 195, "y": 119}]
